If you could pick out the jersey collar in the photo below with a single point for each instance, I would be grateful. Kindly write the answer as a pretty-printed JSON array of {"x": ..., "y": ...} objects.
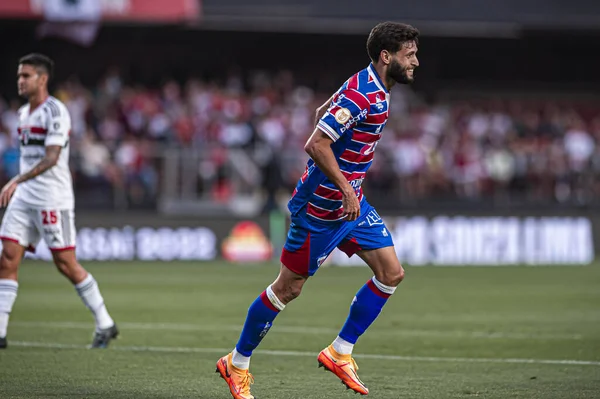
[
  {"x": 376, "y": 78},
  {"x": 39, "y": 105}
]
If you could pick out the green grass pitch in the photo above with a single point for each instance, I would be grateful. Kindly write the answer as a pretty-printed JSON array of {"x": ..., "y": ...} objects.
[{"x": 486, "y": 332}]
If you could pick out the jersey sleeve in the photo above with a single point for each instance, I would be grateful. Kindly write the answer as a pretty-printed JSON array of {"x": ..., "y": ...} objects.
[
  {"x": 58, "y": 128},
  {"x": 348, "y": 108}
]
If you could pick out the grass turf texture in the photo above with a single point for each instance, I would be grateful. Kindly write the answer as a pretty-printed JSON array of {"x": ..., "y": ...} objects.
[{"x": 489, "y": 332}]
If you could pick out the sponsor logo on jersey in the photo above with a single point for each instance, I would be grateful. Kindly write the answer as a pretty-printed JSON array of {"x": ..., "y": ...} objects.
[
  {"x": 356, "y": 183},
  {"x": 354, "y": 120}
]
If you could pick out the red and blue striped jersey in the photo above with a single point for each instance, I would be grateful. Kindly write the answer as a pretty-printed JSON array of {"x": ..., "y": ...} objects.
[{"x": 354, "y": 121}]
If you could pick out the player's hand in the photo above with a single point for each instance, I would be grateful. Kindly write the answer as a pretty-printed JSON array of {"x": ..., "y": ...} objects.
[
  {"x": 351, "y": 206},
  {"x": 7, "y": 192}
]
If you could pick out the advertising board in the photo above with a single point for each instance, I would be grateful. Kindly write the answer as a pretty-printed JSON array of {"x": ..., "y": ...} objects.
[{"x": 438, "y": 240}]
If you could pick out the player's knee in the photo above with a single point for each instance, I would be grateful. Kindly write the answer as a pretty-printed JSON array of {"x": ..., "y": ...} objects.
[
  {"x": 392, "y": 277},
  {"x": 62, "y": 266},
  {"x": 290, "y": 294},
  {"x": 294, "y": 292},
  {"x": 9, "y": 260},
  {"x": 287, "y": 293},
  {"x": 399, "y": 275},
  {"x": 67, "y": 267}
]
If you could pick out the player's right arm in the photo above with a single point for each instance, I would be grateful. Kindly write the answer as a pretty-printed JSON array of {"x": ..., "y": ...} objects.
[
  {"x": 347, "y": 108},
  {"x": 318, "y": 147},
  {"x": 321, "y": 110},
  {"x": 57, "y": 137},
  {"x": 49, "y": 160}
]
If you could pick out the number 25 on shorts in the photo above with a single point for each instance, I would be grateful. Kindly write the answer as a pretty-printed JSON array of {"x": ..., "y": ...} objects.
[{"x": 49, "y": 217}]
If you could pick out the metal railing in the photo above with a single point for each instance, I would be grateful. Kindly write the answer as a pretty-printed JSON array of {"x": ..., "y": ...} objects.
[{"x": 209, "y": 181}]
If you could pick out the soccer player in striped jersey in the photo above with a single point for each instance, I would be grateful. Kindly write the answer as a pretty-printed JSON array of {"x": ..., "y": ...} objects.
[
  {"x": 329, "y": 210},
  {"x": 40, "y": 199}
]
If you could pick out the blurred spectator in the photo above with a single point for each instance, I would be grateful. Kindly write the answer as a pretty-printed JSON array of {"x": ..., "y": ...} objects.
[{"x": 215, "y": 141}]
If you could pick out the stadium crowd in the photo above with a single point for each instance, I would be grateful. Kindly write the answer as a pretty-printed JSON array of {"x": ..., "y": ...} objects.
[{"x": 540, "y": 150}]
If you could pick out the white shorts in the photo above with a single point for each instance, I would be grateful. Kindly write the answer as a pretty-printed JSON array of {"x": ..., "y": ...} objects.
[{"x": 26, "y": 225}]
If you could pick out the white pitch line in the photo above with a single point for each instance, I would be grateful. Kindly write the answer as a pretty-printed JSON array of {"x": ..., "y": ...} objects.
[
  {"x": 53, "y": 345},
  {"x": 306, "y": 330}
]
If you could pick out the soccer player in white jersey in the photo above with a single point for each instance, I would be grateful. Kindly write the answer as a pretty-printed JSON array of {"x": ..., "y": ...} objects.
[{"x": 40, "y": 199}]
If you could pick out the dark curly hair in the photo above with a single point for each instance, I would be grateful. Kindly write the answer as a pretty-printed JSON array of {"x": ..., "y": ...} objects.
[{"x": 390, "y": 36}]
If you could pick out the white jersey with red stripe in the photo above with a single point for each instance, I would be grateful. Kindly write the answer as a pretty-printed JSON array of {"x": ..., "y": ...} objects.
[
  {"x": 48, "y": 124},
  {"x": 354, "y": 121}
]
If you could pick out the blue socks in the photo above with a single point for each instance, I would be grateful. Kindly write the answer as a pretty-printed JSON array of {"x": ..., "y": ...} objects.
[
  {"x": 365, "y": 308},
  {"x": 260, "y": 318}
]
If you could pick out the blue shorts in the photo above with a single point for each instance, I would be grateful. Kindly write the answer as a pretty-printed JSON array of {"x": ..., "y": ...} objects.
[{"x": 309, "y": 241}]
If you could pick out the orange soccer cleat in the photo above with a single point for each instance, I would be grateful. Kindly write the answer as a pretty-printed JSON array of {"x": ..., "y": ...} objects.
[
  {"x": 344, "y": 367},
  {"x": 239, "y": 380}
]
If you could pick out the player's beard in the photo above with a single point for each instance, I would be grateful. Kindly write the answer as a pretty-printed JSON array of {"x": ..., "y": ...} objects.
[{"x": 399, "y": 73}]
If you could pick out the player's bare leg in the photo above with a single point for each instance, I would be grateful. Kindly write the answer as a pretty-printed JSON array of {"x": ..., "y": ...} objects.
[
  {"x": 12, "y": 253},
  {"x": 365, "y": 308},
  {"x": 288, "y": 285},
  {"x": 385, "y": 265},
  {"x": 88, "y": 290},
  {"x": 234, "y": 366},
  {"x": 67, "y": 265}
]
